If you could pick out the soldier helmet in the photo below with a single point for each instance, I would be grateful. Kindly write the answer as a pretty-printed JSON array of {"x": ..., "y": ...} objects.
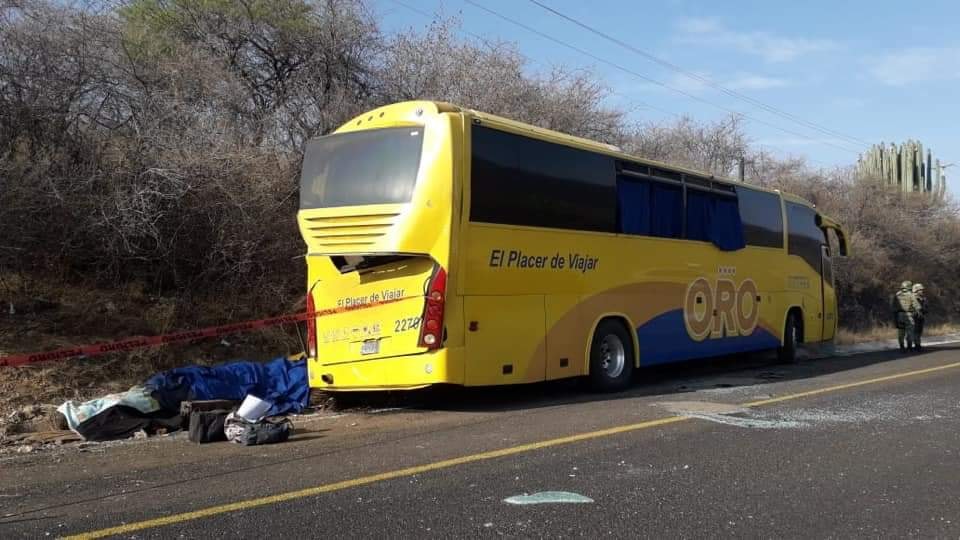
[
  {"x": 906, "y": 285},
  {"x": 917, "y": 287}
]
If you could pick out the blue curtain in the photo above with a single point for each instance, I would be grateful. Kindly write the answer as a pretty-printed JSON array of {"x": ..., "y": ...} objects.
[
  {"x": 666, "y": 209},
  {"x": 699, "y": 215},
  {"x": 726, "y": 228},
  {"x": 716, "y": 219},
  {"x": 655, "y": 209},
  {"x": 633, "y": 198}
]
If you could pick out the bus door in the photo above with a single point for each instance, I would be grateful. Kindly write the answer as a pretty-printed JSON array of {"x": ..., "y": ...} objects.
[{"x": 828, "y": 294}]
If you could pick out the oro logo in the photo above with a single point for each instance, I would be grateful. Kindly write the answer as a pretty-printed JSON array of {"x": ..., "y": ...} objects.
[{"x": 721, "y": 310}]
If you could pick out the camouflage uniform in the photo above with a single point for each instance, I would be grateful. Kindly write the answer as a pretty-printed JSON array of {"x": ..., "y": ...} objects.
[
  {"x": 905, "y": 308},
  {"x": 921, "y": 313}
]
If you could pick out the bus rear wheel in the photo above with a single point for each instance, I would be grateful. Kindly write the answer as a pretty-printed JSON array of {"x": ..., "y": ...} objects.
[
  {"x": 787, "y": 353},
  {"x": 611, "y": 357}
]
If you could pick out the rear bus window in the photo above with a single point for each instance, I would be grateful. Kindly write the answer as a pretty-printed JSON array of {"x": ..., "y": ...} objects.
[{"x": 377, "y": 166}]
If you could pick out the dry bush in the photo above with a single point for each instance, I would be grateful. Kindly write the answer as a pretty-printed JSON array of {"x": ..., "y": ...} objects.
[
  {"x": 892, "y": 237},
  {"x": 712, "y": 147},
  {"x": 490, "y": 77}
]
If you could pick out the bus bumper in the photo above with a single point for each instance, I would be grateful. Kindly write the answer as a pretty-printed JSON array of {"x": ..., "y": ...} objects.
[{"x": 396, "y": 373}]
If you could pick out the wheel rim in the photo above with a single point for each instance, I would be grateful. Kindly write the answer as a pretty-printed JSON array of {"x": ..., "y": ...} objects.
[{"x": 613, "y": 356}]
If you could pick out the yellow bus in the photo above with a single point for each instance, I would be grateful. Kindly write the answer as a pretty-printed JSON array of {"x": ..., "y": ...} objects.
[{"x": 445, "y": 245}]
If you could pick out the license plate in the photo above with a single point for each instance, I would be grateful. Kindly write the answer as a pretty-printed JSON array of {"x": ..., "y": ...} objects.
[{"x": 371, "y": 346}]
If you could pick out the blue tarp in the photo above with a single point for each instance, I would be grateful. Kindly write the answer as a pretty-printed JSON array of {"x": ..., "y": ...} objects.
[{"x": 280, "y": 381}]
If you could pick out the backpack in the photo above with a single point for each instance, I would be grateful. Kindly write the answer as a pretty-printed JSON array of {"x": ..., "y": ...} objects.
[
  {"x": 265, "y": 431},
  {"x": 906, "y": 301}
]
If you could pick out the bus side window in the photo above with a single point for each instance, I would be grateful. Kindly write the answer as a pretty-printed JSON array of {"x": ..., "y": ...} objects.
[
  {"x": 762, "y": 219},
  {"x": 648, "y": 208},
  {"x": 633, "y": 206},
  {"x": 715, "y": 218},
  {"x": 804, "y": 238},
  {"x": 666, "y": 211},
  {"x": 517, "y": 180}
]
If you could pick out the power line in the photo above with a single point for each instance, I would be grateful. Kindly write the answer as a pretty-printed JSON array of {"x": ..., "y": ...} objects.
[
  {"x": 485, "y": 41},
  {"x": 649, "y": 79},
  {"x": 702, "y": 79},
  {"x": 642, "y": 103}
]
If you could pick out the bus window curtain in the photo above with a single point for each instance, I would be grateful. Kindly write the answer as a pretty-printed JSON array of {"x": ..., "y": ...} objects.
[
  {"x": 726, "y": 228},
  {"x": 716, "y": 219},
  {"x": 666, "y": 211},
  {"x": 699, "y": 215},
  {"x": 633, "y": 200}
]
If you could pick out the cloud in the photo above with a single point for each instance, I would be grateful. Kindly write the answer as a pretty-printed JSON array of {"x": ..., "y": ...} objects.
[
  {"x": 918, "y": 64},
  {"x": 756, "y": 82},
  {"x": 771, "y": 47},
  {"x": 694, "y": 86}
]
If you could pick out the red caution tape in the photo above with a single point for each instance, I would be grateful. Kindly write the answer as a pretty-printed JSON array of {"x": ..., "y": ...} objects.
[{"x": 188, "y": 335}]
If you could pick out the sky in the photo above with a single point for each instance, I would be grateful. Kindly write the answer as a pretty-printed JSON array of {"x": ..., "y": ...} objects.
[{"x": 862, "y": 72}]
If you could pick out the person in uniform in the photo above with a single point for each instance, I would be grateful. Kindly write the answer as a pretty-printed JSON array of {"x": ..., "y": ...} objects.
[
  {"x": 921, "y": 314},
  {"x": 904, "y": 306}
]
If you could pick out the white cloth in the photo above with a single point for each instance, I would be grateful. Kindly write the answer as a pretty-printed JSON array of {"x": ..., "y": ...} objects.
[{"x": 137, "y": 397}]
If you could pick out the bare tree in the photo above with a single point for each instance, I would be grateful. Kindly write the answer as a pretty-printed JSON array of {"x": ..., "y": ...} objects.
[{"x": 715, "y": 147}]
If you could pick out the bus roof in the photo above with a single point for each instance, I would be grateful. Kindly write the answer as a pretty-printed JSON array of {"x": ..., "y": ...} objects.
[{"x": 408, "y": 111}]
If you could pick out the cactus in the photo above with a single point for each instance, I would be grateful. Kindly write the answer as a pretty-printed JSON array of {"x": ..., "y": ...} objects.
[{"x": 906, "y": 167}]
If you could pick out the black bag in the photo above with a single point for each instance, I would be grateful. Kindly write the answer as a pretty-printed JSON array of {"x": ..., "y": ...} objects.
[
  {"x": 266, "y": 431},
  {"x": 207, "y": 426}
]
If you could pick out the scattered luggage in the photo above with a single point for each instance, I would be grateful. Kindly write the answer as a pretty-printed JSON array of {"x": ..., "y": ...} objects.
[
  {"x": 265, "y": 431},
  {"x": 207, "y": 426},
  {"x": 200, "y": 399}
]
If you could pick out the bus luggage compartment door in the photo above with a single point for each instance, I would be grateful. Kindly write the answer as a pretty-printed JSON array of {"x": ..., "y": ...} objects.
[
  {"x": 383, "y": 311},
  {"x": 503, "y": 339}
]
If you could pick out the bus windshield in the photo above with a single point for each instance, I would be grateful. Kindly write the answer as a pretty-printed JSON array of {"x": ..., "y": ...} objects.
[{"x": 376, "y": 166}]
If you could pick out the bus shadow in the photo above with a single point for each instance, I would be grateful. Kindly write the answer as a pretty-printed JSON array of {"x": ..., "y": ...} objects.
[{"x": 730, "y": 373}]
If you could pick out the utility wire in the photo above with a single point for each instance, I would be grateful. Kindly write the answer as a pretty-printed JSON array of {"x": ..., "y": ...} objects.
[
  {"x": 641, "y": 103},
  {"x": 636, "y": 103},
  {"x": 651, "y": 80},
  {"x": 702, "y": 79}
]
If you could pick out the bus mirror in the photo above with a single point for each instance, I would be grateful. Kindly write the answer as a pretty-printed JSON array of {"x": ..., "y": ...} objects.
[
  {"x": 841, "y": 240},
  {"x": 827, "y": 223}
]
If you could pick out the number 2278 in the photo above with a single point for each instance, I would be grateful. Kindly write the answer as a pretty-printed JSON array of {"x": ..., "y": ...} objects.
[{"x": 404, "y": 325}]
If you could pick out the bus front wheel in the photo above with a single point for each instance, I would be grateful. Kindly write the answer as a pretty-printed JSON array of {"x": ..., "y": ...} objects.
[
  {"x": 787, "y": 353},
  {"x": 611, "y": 357}
]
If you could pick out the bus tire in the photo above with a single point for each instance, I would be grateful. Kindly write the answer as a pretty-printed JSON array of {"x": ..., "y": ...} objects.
[
  {"x": 787, "y": 353},
  {"x": 611, "y": 357}
]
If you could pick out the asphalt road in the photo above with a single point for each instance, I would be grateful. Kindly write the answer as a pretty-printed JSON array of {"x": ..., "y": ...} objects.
[{"x": 863, "y": 446}]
